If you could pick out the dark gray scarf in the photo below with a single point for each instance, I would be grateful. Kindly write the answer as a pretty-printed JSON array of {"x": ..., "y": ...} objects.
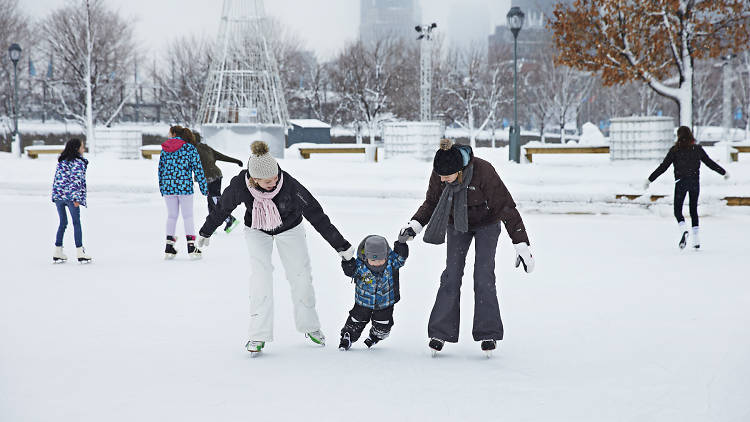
[{"x": 455, "y": 194}]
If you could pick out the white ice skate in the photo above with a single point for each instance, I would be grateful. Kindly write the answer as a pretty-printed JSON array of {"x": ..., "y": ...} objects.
[
  {"x": 83, "y": 258},
  {"x": 255, "y": 347},
  {"x": 317, "y": 337},
  {"x": 58, "y": 257},
  {"x": 695, "y": 239}
]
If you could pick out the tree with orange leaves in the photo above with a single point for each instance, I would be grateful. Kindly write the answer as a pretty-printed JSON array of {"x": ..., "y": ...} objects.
[{"x": 654, "y": 41}]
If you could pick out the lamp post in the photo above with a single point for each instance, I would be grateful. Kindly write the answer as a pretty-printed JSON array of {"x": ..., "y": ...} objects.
[
  {"x": 14, "y": 51},
  {"x": 425, "y": 70},
  {"x": 515, "y": 23}
]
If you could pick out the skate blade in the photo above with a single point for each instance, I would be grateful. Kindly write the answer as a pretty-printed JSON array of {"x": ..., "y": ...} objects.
[
  {"x": 434, "y": 353},
  {"x": 488, "y": 354},
  {"x": 195, "y": 256},
  {"x": 169, "y": 256},
  {"x": 342, "y": 349},
  {"x": 83, "y": 261},
  {"x": 59, "y": 261},
  {"x": 254, "y": 355}
]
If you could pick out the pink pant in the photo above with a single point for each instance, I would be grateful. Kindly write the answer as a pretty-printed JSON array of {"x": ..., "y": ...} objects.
[{"x": 175, "y": 204}]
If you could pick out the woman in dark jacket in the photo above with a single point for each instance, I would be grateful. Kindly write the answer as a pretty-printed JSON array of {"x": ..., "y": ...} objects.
[
  {"x": 275, "y": 203},
  {"x": 467, "y": 199},
  {"x": 686, "y": 157},
  {"x": 209, "y": 157}
]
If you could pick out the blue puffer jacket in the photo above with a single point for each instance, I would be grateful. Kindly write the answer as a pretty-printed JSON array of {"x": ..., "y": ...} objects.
[
  {"x": 177, "y": 163},
  {"x": 70, "y": 181},
  {"x": 376, "y": 290}
]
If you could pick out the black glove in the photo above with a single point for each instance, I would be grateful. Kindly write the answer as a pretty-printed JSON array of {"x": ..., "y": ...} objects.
[
  {"x": 240, "y": 163},
  {"x": 349, "y": 267}
]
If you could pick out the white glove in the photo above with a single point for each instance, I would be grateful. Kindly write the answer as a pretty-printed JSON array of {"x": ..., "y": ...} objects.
[
  {"x": 524, "y": 256},
  {"x": 646, "y": 184},
  {"x": 347, "y": 254},
  {"x": 409, "y": 231},
  {"x": 726, "y": 176},
  {"x": 203, "y": 242}
]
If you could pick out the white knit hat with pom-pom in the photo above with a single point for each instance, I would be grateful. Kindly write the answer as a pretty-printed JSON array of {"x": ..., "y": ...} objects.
[{"x": 261, "y": 164}]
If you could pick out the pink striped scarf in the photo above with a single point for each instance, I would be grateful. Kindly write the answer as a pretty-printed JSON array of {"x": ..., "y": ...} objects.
[{"x": 265, "y": 214}]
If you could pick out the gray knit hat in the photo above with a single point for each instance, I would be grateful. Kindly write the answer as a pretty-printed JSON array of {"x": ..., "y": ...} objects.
[
  {"x": 376, "y": 247},
  {"x": 261, "y": 164}
]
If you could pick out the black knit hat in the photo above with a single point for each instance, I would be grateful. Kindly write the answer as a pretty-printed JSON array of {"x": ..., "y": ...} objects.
[{"x": 448, "y": 159}]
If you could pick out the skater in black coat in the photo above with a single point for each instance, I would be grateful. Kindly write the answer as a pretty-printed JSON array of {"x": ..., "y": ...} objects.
[
  {"x": 686, "y": 157},
  {"x": 466, "y": 201}
]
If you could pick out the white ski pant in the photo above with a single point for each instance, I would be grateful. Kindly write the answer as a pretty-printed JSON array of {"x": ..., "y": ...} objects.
[{"x": 292, "y": 246}]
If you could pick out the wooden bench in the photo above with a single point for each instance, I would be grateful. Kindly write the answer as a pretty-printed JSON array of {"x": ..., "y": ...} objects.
[
  {"x": 738, "y": 150},
  {"x": 148, "y": 151},
  {"x": 306, "y": 151},
  {"x": 529, "y": 151},
  {"x": 653, "y": 198},
  {"x": 34, "y": 151}
]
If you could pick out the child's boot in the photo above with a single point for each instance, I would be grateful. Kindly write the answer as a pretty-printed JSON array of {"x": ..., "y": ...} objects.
[
  {"x": 170, "y": 252},
  {"x": 194, "y": 252},
  {"x": 58, "y": 256}
]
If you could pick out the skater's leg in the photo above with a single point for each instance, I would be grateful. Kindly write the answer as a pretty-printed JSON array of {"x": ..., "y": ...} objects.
[
  {"x": 75, "y": 217},
  {"x": 356, "y": 322},
  {"x": 214, "y": 193},
  {"x": 259, "y": 248},
  {"x": 680, "y": 189},
  {"x": 186, "y": 208},
  {"x": 292, "y": 245},
  {"x": 63, "y": 216},
  {"x": 382, "y": 322},
  {"x": 445, "y": 315},
  {"x": 694, "y": 188},
  {"x": 487, "y": 322},
  {"x": 173, "y": 210}
]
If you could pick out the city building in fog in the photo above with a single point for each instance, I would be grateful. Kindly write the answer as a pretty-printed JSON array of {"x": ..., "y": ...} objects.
[{"x": 386, "y": 18}]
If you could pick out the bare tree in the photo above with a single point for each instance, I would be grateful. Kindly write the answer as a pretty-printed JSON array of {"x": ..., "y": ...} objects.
[
  {"x": 367, "y": 76},
  {"x": 472, "y": 90},
  {"x": 742, "y": 93},
  {"x": 94, "y": 53},
  {"x": 181, "y": 77},
  {"x": 14, "y": 28}
]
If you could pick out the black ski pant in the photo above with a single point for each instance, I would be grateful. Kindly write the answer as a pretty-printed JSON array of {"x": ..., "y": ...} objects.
[
  {"x": 359, "y": 316},
  {"x": 683, "y": 187},
  {"x": 445, "y": 316},
  {"x": 214, "y": 193}
]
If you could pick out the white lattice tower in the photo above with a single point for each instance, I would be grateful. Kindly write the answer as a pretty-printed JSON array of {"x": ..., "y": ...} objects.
[
  {"x": 243, "y": 82},
  {"x": 425, "y": 71}
]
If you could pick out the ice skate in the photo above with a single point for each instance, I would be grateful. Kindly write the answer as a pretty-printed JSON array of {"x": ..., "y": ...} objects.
[
  {"x": 345, "y": 343},
  {"x": 255, "y": 347},
  {"x": 193, "y": 251},
  {"x": 436, "y": 345},
  {"x": 58, "y": 257},
  {"x": 231, "y": 224},
  {"x": 683, "y": 239},
  {"x": 488, "y": 346},
  {"x": 695, "y": 239},
  {"x": 317, "y": 337},
  {"x": 170, "y": 252},
  {"x": 371, "y": 341},
  {"x": 83, "y": 258}
]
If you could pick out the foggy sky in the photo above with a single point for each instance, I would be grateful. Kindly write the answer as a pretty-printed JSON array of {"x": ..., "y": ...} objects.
[{"x": 324, "y": 25}]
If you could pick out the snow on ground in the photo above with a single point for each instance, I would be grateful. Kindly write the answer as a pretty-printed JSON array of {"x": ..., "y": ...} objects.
[{"x": 615, "y": 323}]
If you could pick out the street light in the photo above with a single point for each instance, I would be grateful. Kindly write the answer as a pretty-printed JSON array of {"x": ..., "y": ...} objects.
[
  {"x": 515, "y": 23},
  {"x": 14, "y": 51}
]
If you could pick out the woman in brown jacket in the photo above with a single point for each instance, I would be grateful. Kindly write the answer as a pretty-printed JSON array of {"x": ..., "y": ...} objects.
[{"x": 466, "y": 199}]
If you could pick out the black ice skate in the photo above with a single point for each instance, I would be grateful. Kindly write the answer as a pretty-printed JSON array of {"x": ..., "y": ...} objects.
[
  {"x": 488, "y": 346},
  {"x": 194, "y": 252},
  {"x": 436, "y": 345},
  {"x": 346, "y": 342},
  {"x": 371, "y": 341},
  {"x": 683, "y": 239},
  {"x": 170, "y": 252}
]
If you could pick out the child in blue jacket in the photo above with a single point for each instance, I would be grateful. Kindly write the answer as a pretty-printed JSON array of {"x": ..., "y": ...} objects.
[
  {"x": 375, "y": 275},
  {"x": 69, "y": 191}
]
